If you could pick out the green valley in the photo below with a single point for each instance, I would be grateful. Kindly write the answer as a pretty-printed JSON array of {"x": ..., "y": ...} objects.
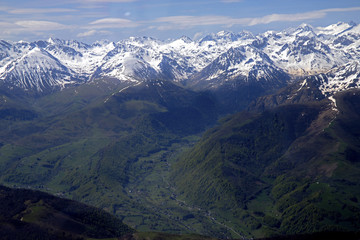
[
  {"x": 142, "y": 153},
  {"x": 114, "y": 152}
]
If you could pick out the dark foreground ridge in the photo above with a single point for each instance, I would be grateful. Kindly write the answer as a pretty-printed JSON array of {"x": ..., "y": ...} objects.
[{"x": 28, "y": 214}]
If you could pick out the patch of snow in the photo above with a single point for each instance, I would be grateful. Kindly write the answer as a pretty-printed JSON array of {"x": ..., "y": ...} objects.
[{"x": 302, "y": 85}]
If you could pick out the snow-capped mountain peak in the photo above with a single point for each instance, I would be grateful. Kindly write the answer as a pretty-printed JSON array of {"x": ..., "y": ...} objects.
[
  {"x": 334, "y": 29},
  {"x": 304, "y": 30},
  {"x": 38, "y": 70},
  {"x": 304, "y": 50}
]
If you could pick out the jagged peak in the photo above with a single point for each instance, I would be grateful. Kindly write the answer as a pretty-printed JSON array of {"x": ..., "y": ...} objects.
[
  {"x": 186, "y": 39},
  {"x": 305, "y": 26},
  {"x": 103, "y": 42},
  {"x": 268, "y": 33},
  {"x": 53, "y": 40},
  {"x": 22, "y": 42},
  {"x": 245, "y": 33},
  {"x": 304, "y": 29},
  {"x": 224, "y": 33},
  {"x": 206, "y": 38}
]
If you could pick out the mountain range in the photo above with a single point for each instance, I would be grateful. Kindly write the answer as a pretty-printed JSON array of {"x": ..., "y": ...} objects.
[
  {"x": 54, "y": 64},
  {"x": 233, "y": 135}
]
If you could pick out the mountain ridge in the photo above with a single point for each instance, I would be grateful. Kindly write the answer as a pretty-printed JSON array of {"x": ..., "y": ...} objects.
[
  {"x": 301, "y": 51},
  {"x": 279, "y": 170},
  {"x": 29, "y": 214}
]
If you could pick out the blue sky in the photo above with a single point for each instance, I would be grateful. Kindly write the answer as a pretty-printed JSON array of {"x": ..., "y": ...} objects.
[{"x": 91, "y": 20}]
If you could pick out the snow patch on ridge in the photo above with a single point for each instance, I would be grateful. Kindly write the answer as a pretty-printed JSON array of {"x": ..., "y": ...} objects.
[
  {"x": 340, "y": 79},
  {"x": 333, "y": 100}
]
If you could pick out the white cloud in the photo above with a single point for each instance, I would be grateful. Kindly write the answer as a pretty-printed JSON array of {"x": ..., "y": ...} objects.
[
  {"x": 92, "y": 33},
  {"x": 17, "y": 24},
  {"x": 7, "y": 25},
  {"x": 183, "y": 22},
  {"x": 8, "y": 29},
  {"x": 113, "y": 23},
  {"x": 341, "y": 9},
  {"x": 39, "y": 10},
  {"x": 298, "y": 16},
  {"x": 40, "y": 25},
  {"x": 35, "y": 28},
  {"x": 198, "y": 35},
  {"x": 87, "y": 34},
  {"x": 286, "y": 18}
]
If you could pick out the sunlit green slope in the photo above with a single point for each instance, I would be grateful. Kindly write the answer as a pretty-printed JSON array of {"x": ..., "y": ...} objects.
[{"x": 292, "y": 169}]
